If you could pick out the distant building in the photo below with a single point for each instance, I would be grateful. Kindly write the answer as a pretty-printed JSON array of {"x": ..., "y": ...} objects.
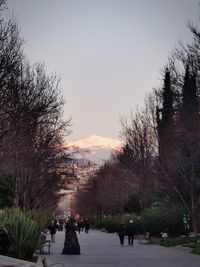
[{"x": 78, "y": 175}]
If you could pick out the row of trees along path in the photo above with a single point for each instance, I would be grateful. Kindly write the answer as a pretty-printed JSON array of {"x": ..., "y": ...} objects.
[
  {"x": 31, "y": 126},
  {"x": 160, "y": 159}
]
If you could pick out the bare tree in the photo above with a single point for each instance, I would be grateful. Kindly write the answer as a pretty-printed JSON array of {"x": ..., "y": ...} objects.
[
  {"x": 107, "y": 191},
  {"x": 141, "y": 146},
  {"x": 31, "y": 124},
  {"x": 38, "y": 139}
]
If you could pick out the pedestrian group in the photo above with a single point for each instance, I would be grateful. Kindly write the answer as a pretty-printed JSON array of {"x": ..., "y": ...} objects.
[
  {"x": 71, "y": 244},
  {"x": 129, "y": 231}
]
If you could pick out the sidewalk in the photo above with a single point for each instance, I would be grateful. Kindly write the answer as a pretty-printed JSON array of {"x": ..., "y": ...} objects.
[
  {"x": 13, "y": 262},
  {"x": 100, "y": 249}
]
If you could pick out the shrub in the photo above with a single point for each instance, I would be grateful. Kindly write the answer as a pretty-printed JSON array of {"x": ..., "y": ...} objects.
[
  {"x": 111, "y": 225},
  {"x": 21, "y": 233},
  {"x": 189, "y": 241},
  {"x": 196, "y": 249},
  {"x": 153, "y": 221},
  {"x": 43, "y": 219},
  {"x": 99, "y": 223},
  {"x": 160, "y": 217},
  {"x": 163, "y": 219}
]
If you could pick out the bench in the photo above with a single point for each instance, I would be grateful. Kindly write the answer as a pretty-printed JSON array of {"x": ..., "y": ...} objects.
[
  {"x": 44, "y": 263},
  {"x": 46, "y": 243},
  {"x": 144, "y": 237}
]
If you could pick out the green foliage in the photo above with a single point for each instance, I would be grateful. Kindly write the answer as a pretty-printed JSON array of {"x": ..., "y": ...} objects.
[
  {"x": 163, "y": 218},
  {"x": 169, "y": 242},
  {"x": 6, "y": 191},
  {"x": 132, "y": 205},
  {"x": 160, "y": 217},
  {"x": 43, "y": 219},
  {"x": 153, "y": 221},
  {"x": 99, "y": 223},
  {"x": 196, "y": 249},
  {"x": 110, "y": 224},
  {"x": 21, "y": 232}
]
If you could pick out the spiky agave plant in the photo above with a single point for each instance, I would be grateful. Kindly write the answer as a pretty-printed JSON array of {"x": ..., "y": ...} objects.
[
  {"x": 43, "y": 218},
  {"x": 23, "y": 234}
]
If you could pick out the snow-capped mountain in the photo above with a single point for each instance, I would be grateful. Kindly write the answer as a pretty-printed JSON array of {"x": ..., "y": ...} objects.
[
  {"x": 100, "y": 148},
  {"x": 96, "y": 141}
]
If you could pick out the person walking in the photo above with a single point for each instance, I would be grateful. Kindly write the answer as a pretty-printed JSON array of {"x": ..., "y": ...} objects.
[
  {"x": 121, "y": 233},
  {"x": 52, "y": 229},
  {"x": 87, "y": 226},
  {"x": 82, "y": 225},
  {"x": 71, "y": 245},
  {"x": 79, "y": 226},
  {"x": 130, "y": 232}
]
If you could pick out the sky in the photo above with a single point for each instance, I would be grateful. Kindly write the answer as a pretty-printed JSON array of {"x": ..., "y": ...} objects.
[{"x": 109, "y": 53}]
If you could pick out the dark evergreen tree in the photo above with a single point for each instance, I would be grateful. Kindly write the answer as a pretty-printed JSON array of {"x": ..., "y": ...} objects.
[
  {"x": 165, "y": 121},
  {"x": 167, "y": 99},
  {"x": 188, "y": 180},
  {"x": 190, "y": 99},
  {"x": 179, "y": 139}
]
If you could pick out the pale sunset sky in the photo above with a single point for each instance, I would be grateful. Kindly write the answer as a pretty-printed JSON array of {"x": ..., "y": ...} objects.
[{"x": 109, "y": 53}]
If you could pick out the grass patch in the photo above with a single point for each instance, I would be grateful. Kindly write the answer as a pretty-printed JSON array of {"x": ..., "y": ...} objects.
[
  {"x": 172, "y": 242},
  {"x": 196, "y": 249}
]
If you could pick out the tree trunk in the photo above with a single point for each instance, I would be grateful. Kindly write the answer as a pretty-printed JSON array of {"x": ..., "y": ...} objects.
[{"x": 194, "y": 217}]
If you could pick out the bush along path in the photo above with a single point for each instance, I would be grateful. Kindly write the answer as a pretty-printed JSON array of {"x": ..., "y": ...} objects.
[{"x": 20, "y": 232}]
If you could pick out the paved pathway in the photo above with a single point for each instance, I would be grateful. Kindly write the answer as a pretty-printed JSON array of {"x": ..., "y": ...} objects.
[{"x": 100, "y": 249}]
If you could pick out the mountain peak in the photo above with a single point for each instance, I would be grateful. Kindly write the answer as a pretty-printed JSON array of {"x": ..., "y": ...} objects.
[{"x": 96, "y": 141}]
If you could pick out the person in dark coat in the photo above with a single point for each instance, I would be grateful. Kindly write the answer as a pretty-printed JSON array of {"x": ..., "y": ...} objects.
[
  {"x": 130, "y": 230},
  {"x": 87, "y": 226},
  {"x": 71, "y": 245},
  {"x": 79, "y": 226},
  {"x": 121, "y": 233},
  {"x": 82, "y": 225},
  {"x": 60, "y": 225},
  {"x": 52, "y": 229}
]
